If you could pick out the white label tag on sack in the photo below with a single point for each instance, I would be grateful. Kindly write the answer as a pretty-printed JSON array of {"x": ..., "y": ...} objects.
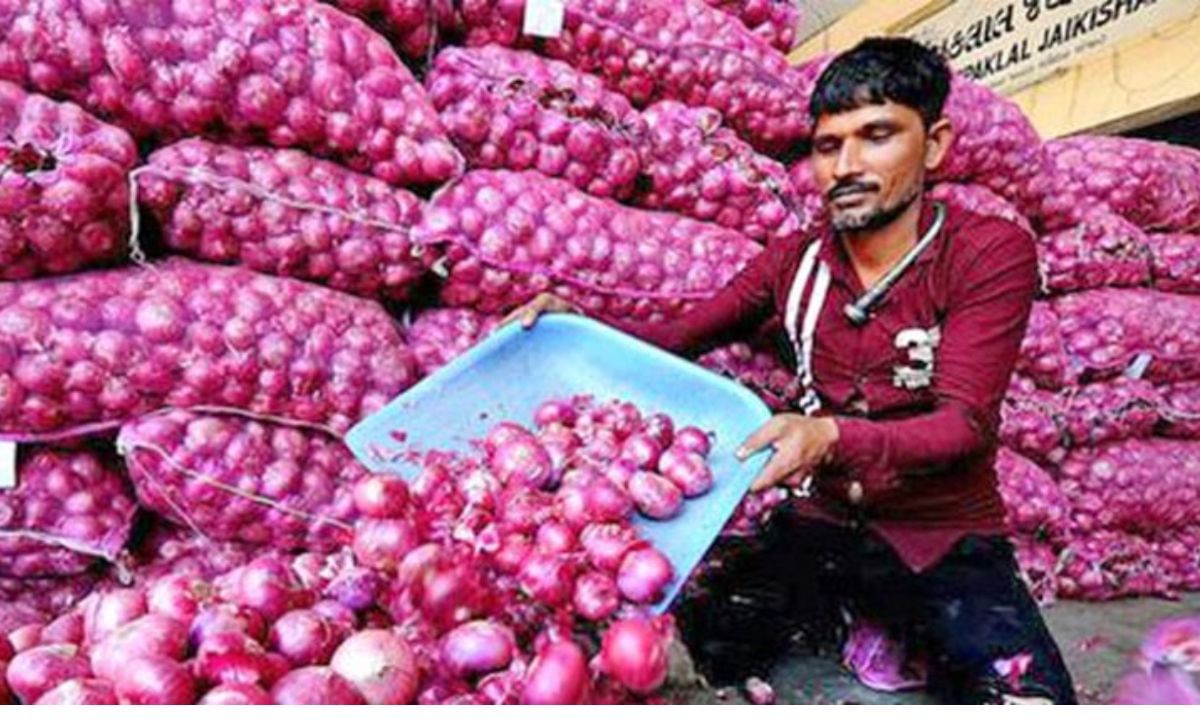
[
  {"x": 1138, "y": 367},
  {"x": 8, "y": 465},
  {"x": 544, "y": 18}
]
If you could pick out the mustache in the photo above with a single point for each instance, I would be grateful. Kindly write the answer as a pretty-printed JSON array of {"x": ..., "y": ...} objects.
[{"x": 850, "y": 187}]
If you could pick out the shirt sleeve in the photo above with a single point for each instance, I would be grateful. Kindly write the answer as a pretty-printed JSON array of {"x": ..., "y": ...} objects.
[
  {"x": 744, "y": 302},
  {"x": 986, "y": 317}
]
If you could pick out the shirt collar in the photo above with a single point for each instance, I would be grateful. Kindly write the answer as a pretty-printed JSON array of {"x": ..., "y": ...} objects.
[{"x": 840, "y": 268}]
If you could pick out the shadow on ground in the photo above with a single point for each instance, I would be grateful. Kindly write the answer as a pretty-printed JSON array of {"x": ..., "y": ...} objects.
[{"x": 1096, "y": 638}]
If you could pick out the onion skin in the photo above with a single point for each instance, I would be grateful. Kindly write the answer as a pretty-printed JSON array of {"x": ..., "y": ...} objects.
[
  {"x": 381, "y": 496},
  {"x": 314, "y": 686},
  {"x": 558, "y": 676},
  {"x": 236, "y": 694},
  {"x": 596, "y": 596},
  {"x": 634, "y": 654},
  {"x": 644, "y": 575},
  {"x": 81, "y": 692},
  {"x": 477, "y": 647},
  {"x": 36, "y": 671},
  {"x": 304, "y": 637},
  {"x": 380, "y": 665},
  {"x": 155, "y": 681}
]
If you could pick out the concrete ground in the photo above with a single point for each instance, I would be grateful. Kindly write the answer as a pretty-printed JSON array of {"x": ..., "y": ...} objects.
[{"x": 1095, "y": 638}]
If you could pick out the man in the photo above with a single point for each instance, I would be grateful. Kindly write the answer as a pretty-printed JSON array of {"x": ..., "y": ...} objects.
[{"x": 897, "y": 515}]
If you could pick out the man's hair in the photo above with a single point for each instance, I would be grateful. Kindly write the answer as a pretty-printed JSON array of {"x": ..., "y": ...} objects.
[{"x": 881, "y": 69}]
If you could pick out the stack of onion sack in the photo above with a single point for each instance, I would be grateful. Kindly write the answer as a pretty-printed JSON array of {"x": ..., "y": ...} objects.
[
  {"x": 288, "y": 73},
  {"x": 694, "y": 166},
  {"x": 229, "y": 478},
  {"x": 1166, "y": 668},
  {"x": 649, "y": 50},
  {"x": 89, "y": 352},
  {"x": 412, "y": 26},
  {"x": 491, "y": 577},
  {"x": 285, "y": 213},
  {"x": 64, "y": 196},
  {"x": 775, "y": 21},
  {"x": 508, "y": 236},
  {"x": 513, "y": 110}
]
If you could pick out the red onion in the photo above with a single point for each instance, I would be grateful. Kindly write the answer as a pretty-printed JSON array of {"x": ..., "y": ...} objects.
[
  {"x": 477, "y": 647},
  {"x": 512, "y": 553},
  {"x": 149, "y": 636},
  {"x": 380, "y": 665},
  {"x": 337, "y": 613},
  {"x": 558, "y": 676},
  {"x": 661, "y": 428},
  {"x": 551, "y": 412},
  {"x": 356, "y": 588},
  {"x": 693, "y": 439},
  {"x": 620, "y": 473},
  {"x": 634, "y": 653},
  {"x": 450, "y": 593},
  {"x": 644, "y": 575},
  {"x": 688, "y": 470},
  {"x": 417, "y": 562},
  {"x": 178, "y": 596},
  {"x": 760, "y": 692},
  {"x": 81, "y": 692},
  {"x": 109, "y": 611},
  {"x": 607, "y": 544},
  {"x": 655, "y": 496},
  {"x": 596, "y": 596},
  {"x": 642, "y": 450},
  {"x": 26, "y": 637},
  {"x": 504, "y": 433},
  {"x": 220, "y": 619},
  {"x": 36, "y": 671},
  {"x": 155, "y": 681},
  {"x": 236, "y": 694},
  {"x": 607, "y": 501},
  {"x": 66, "y": 629},
  {"x": 383, "y": 543},
  {"x": 314, "y": 686},
  {"x": 381, "y": 496},
  {"x": 524, "y": 509},
  {"x": 305, "y": 638},
  {"x": 233, "y": 658},
  {"x": 522, "y": 461},
  {"x": 547, "y": 578},
  {"x": 269, "y": 586},
  {"x": 556, "y": 537}
]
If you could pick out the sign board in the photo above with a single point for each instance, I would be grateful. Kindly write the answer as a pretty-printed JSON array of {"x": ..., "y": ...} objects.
[{"x": 1009, "y": 45}]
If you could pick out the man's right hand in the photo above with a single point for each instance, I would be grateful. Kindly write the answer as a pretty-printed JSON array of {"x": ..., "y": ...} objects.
[{"x": 529, "y": 313}]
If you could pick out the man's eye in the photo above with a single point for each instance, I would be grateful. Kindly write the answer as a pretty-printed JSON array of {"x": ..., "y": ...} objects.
[
  {"x": 825, "y": 148},
  {"x": 880, "y": 134}
]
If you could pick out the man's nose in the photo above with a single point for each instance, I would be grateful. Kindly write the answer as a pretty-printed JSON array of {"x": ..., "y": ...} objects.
[{"x": 848, "y": 161}]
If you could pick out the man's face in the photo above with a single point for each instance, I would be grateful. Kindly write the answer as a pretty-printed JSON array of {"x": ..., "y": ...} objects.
[{"x": 869, "y": 164}]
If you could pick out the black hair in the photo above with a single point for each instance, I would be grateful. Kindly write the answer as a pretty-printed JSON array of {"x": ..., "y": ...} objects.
[{"x": 881, "y": 69}]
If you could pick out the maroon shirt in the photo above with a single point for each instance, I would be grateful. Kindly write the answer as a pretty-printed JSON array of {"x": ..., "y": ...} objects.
[{"x": 924, "y": 455}]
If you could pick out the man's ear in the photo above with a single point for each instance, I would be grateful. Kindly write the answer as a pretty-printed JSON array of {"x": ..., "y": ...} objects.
[{"x": 940, "y": 138}]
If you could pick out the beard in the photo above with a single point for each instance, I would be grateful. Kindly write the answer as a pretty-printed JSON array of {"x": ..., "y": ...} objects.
[{"x": 872, "y": 218}]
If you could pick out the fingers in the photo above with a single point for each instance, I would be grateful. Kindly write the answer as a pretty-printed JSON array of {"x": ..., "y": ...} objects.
[
  {"x": 778, "y": 468},
  {"x": 764, "y": 436},
  {"x": 530, "y": 317}
]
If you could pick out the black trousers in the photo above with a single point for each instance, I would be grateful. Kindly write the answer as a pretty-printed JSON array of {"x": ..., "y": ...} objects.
[{"x": 794, "y": 580}]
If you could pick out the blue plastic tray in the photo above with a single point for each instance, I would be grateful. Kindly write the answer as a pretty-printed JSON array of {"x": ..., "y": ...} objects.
[{"x": 513, "y": 371}]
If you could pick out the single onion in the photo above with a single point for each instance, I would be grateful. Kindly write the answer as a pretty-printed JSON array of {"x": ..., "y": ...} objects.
[
  {"x": 655, "y": 496},
  {"x": 634, "y": 654},
  {"x": 596, "y": 596},
  {"x": 314, "y": 686},
  {"x": 226, "y": 618},
  {"x": 477, "y": 647},
  {"x": 66, "y": 629},
  {"x": 661, "y": 428},
  {"x": 522, "y": 461},
  {"x": 304, "y": 638},
  {"x": 556, "y": 537},
  {"x": 688, "y": 470},
  {"x": 644, "y": 575},
  {"x": 502, "y": 434},
  {"x": 155, "y": 681},
  {"x": 558, "y": 676},
  {"x": 337, "y": 613},
  {"x": 641, "y": 450},
  {"x": 268, "y": 585},
  {"x": 356, "y": 588},
  {"x": 229, "y": 658},
  {"x": 381, "y": 496},
  {"x": 36, "y": 671},
  {"x": 693, "y": 439},
  {"x": 148, "y": 636},
  {"x": 380, "y": 665},
  {"x": 547, "y": 578},
  {"x": 383, "y": 543},
  {"x": 109, "y": 611},
  {"x": 236, "y": 694},
  {"x": 81, "y": 692},
  {"x": 607, "y": 544},
  {"x": 555, "y": 411},
  {"x": 178, "y": 596}
]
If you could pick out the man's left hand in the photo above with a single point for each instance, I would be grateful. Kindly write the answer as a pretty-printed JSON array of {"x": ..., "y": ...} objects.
[{"x": 801, "y": 444}]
